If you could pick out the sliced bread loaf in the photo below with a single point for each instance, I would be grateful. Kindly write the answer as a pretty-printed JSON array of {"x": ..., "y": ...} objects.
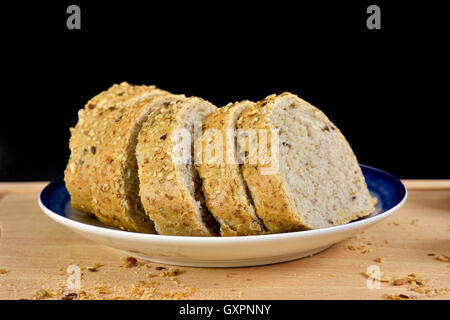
[
  {"x": 170, "y": 188},
  {"x": 317, "y": 182},
  {"x": 85, "y": 141},
  {"x": 224, "y": 189}
]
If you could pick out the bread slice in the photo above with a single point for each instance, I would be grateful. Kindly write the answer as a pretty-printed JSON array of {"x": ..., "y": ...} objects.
[
  {"x": 169, "y": 184},
  {"x": 223, "y": 187},
  {"x": 84, "y": 140},
  {"x": 115, "y": 182},
  {"x": 317, "y": 181}
]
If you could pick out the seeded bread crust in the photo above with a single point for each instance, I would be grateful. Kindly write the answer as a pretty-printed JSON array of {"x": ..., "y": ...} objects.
[
  {"x": 269, "y": 192},
  {"x": 223, "y": 186},
  {"x": 164, "y": 192},
  {"x": 115, "y": 182},
  {"x": 84, "y": 143}
]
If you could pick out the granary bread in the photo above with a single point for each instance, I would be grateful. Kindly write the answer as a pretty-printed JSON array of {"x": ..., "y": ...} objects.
[
  {"x": 170, "y": 188},
  {"x": 318, "y": 182},
  {"x": 100, "y": 122},
  {"x": 132, "y": 154},
  {"x": 223, "y": 187}
]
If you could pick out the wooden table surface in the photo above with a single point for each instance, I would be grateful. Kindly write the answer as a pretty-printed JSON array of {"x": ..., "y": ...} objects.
[{"x": 35, "y": 253}]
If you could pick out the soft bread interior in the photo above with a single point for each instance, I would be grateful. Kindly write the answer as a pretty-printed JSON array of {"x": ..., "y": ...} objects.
[
  {"x": 320, "y": 172},
  {"x": 191, "y": 117}
]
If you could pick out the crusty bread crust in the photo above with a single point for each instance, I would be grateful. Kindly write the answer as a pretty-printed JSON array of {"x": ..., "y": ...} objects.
[
  {"x": 114, "y": 180},
  {"x": 164, "y": 193},
  {"x": 223, "y": 186},
  {"x": 84, "y": 142},
  {"x": 269, "y": 192},
  {"x": 100, "y": 122}
]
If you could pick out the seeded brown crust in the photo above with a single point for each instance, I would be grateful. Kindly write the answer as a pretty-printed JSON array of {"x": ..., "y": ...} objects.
[
  {"x": 223, "y": 186},
  {"x": 83, "y": 143},
  {"x": 267, "y": 191},
  {"x": 166, "y": 194},
  {"x": 91, "y": 138},
  {"x": 115, "y": 182},
  {"x": 272, "y": 201}
]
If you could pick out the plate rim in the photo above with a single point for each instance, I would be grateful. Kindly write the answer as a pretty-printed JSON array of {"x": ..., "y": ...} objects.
[{"x": 187, "y": 240}]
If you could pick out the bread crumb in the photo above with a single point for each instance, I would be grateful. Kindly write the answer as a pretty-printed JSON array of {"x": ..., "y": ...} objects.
[
  {"x": 361, "y": 247},
  {"x": 41, "y": 294},
  {"x": 95, "y": 267},
  {"x": 430, "y": 292},
  {"x": 443, "y": 258},
  {"x": 374, "y": 201},
  {"x": 102, "y": 289},
  {"x": 3, "y": 271},
  {"x": 399, "y": 297},
  {"x": 130, "y": 262},
  {"x": 410, "y": 279},
  {"x": 377, "y": 276},
  {"x": 399, "y": 282},
  {"x": 70, "y": 296},
  {"x": 171, "y": 272},
  {"x": 168, "y": 287},
  {"x": 379, "y": 259}
]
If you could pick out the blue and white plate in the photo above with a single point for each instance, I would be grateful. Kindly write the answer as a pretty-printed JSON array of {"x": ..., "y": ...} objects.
[{"x": 54, "y": 200}]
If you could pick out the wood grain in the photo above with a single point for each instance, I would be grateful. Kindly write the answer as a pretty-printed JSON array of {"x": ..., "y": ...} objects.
[
  {"x": 35, "y": 253},
  {"x": 427, "y": 184}
]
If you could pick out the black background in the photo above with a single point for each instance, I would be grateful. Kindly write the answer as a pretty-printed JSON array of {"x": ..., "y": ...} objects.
[{"x": 387, "y": 90}]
